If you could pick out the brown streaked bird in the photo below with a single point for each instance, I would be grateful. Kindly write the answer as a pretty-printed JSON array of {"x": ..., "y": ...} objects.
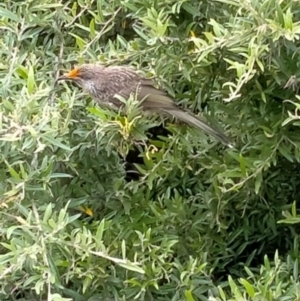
[{"x": 104, "y": 83}]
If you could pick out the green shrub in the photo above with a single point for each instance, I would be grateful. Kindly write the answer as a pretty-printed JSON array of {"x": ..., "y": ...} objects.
[{"x": 101, "y": 206}]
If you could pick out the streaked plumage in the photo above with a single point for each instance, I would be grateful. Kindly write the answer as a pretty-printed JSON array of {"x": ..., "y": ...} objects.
[{"x": 104, "y": 83}]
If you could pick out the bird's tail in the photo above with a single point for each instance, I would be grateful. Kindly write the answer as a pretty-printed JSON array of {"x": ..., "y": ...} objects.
[{"x": 191, "y": 120}]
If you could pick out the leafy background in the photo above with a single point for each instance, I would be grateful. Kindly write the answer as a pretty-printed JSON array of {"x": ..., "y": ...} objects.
[{"x": 98, "y": 206}]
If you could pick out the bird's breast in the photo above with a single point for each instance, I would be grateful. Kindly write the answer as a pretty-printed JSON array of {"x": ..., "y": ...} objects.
[
  {"x": 89, "y": 87},
  {"x": 98, "y": 92}
]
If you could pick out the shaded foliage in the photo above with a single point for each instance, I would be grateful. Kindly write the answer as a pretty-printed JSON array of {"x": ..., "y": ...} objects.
[{"x": 101, "y": 206}]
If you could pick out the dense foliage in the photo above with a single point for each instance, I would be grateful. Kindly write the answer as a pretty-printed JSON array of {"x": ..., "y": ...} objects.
[{"x": 101, "y": 206}]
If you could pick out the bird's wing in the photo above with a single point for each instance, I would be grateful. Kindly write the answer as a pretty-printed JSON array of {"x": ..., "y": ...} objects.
[
  {"x": 153, "y": 98},
  {"x": 120, "y": 81},
  {"x": 124, "y": 81}
]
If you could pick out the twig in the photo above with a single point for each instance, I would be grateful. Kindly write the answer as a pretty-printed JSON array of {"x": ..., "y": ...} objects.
[
  {"x": 59, "y": 59},
  {"x": 98, "y": 36},
  {"x": 77, "y": 16},
  {"x": 58, "y": 62}
]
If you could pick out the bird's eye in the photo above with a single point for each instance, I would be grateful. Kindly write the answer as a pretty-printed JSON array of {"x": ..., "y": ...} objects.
[{"x": 85, "y": 75}]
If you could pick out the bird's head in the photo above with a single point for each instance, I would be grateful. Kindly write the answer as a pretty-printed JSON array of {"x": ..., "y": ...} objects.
[{"x": 83, "y": 75}]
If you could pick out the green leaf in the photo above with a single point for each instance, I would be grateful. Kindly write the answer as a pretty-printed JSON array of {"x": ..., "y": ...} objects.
[
  {"x": 9, "y": 15},
  {"x": 242, "y": 165},
  {"x": 30, "y": 80},
  {"x": 188, "y": 295},
  {"x": 99, "y": 233},
  {"x": 56, "y": 143},
  {"x": 48, "y": 213},
  {"x": 92, "y": 28},
  {"x": 249, "y": 288},
  {"x": 258, "y": 183},
  {"x": 13, "y": 172},
  {"x": 132, "y": 267}
]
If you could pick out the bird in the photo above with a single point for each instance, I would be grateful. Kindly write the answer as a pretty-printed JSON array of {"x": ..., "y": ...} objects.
[{"x": 106, "y": 83}]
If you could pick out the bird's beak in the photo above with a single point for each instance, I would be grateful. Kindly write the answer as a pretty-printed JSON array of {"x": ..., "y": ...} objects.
[
  {"x": 63, "y": 77},
  {"x": 72, "y": 75},
  {"x": 66, "y": 77}
]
